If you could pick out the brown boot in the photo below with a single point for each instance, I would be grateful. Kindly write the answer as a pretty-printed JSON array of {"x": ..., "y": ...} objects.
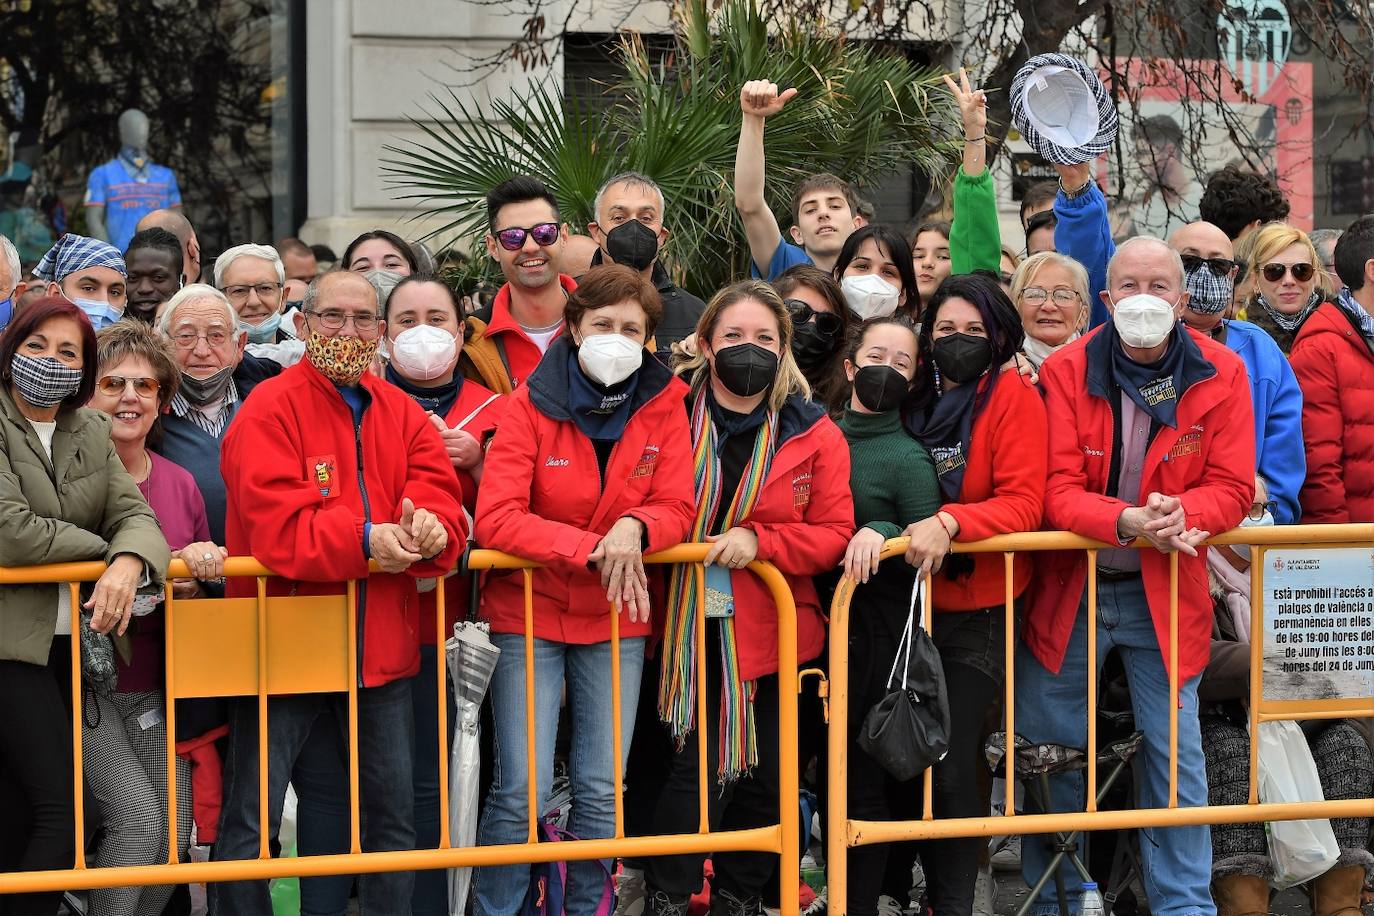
[
  {"x": 1241, "y": 895},
  {"x": 1337, "y": 893}
]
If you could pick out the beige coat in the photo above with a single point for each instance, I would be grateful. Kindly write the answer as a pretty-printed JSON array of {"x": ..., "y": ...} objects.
[{"x": 82, "y": 505}]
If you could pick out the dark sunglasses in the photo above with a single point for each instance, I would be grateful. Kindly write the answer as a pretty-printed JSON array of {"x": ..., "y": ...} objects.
[
  {"x": 1219, "y": 267},
  {"x": 828, "y": 323},
  {"x": 1302, "y": 271},
  {"x": 115, "y": 385},
  {"x": 513, "y": 239}
]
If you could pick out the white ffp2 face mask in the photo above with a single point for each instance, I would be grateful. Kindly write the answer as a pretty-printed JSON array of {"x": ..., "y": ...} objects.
[
  {"x": 423, "y": 352},
  {"x": 609, "y": 359},
  {"x": 870, "y": 296},
  {"x": 1143, "y": 320}
]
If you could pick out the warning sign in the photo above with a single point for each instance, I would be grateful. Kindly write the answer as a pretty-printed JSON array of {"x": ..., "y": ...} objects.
[{"x": 1319, "y": 624}]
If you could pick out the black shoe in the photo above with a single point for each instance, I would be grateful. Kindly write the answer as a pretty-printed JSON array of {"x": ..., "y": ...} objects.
[
  {"x": 661, "y": 903},
  {"x": 724, "y": 903}
]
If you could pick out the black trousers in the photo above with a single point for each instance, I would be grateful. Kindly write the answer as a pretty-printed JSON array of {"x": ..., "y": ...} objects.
[
  {"x": 750, "y": 801},
  {"x": 36, "y": 807},
  {"x": 970, "y": 645}
]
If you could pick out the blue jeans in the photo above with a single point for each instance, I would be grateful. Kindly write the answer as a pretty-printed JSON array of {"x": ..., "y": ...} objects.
[
  {"x": 431, "y": 887},
  {"x": 592, "y": 768},
  {"x": 385, "y": 749},
  {"x": 1053, "y": 709},
  {"x": 321, "y": 780}
]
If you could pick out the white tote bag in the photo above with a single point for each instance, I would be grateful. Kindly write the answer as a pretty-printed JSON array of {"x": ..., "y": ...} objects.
[{"x": 1300, "y": 850}]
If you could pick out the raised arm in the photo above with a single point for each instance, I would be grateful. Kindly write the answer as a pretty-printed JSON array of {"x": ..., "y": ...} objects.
[
  {"x": 1083, "y": 232},
  {"x": 758, "y": 101},
  {"x": 975, "y": 239}
]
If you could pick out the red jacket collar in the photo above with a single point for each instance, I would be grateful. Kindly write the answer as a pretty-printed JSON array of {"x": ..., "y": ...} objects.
[{"x": 501, "y": 319}]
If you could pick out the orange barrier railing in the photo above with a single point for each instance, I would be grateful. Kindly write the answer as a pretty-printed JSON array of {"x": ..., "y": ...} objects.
[
  {"x": 843, "y": 832},
  {"x": 265, "y": 646}
]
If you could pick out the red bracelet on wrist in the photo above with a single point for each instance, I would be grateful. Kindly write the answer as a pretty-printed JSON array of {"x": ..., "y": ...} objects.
[{"x": 941, "y": 520}]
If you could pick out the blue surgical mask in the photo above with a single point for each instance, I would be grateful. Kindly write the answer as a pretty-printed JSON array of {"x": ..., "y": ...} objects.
[
  {"x": 264, "y": 331},
  {"x": 101, "y": 313},
  {"x": 6, "y": 311},
  {"x": 1264, "y": 521}
]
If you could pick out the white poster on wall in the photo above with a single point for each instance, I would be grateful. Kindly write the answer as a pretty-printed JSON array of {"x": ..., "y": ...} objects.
[{"x": 1319, "y": 624}]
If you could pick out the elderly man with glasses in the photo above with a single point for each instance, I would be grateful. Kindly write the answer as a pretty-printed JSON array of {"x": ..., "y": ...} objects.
[
  {"x": 253, "y": 279},
  {"x": 216, "y": 376},
  {"x": 327, "y": 468}
]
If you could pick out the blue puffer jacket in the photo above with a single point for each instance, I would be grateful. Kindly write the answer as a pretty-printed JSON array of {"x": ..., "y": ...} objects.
[{"x": 1279, "y": 453}]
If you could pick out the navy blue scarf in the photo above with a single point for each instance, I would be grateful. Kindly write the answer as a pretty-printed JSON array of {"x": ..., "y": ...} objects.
[
  {"x": 945, "y": 428},
  {"x": 438, "y": 399},
  {"x": 1157, "y": 387},
  {"x": 601, "y": 413}
]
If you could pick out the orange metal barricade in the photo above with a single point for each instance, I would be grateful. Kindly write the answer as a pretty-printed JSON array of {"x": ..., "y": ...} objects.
[
  {"x": 265, "y": 646},
  {"x": 844, "y": 833}
]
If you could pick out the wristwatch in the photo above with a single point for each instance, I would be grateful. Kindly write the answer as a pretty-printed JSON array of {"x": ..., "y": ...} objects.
[{"x": 1076, "y": 192}]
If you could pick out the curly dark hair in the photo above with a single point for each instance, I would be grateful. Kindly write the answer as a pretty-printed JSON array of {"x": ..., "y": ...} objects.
[{"x": 1234, "y": 198}]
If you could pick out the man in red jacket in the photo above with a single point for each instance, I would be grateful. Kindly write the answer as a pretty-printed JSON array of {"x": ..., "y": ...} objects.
[
  {"x": 326, "y": 468},
  {"x": 1151, "y": 437}
]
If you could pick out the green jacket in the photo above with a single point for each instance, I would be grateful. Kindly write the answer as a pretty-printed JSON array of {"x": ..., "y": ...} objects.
[
  {"x": 82, "y": 506},
  {"x": 975, "y": 236}
]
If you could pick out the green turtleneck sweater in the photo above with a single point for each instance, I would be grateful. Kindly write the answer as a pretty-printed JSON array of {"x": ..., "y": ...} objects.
[{"x": 891, "y": 475}]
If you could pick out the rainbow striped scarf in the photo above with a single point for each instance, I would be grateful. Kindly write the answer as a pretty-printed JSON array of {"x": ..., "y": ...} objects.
[{"x": 677, "y": 686}]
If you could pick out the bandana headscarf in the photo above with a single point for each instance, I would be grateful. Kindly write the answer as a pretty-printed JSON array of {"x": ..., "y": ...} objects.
[{"x": 77, "y": 252}]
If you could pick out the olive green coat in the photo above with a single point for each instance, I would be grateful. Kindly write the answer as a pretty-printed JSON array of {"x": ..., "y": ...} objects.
[{"x": 81, "y": 506}]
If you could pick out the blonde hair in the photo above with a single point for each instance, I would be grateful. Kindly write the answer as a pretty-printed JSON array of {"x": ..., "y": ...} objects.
[
  {"x": 1269, "y": 241},
  {"x": 789, "y": 380},
  {"x": 1027, "y": 269}
]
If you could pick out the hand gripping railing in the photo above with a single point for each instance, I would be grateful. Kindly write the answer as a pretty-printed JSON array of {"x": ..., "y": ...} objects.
[
  {"x": 844, "y": 833},
  {"x": 264, "y": 646}
]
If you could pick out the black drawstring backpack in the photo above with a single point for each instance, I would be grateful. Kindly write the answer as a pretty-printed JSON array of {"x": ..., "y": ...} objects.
[{"x": 907, "y": 731}]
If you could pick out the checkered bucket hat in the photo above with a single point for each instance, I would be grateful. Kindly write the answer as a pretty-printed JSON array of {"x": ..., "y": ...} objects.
[{"x": 1062, "y": 109}]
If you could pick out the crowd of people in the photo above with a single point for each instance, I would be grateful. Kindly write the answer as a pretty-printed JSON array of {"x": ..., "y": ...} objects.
[{"x": 866, "y": 384}]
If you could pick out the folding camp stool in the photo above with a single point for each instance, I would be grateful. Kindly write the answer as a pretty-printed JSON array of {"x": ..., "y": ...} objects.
[{"x": 1035, "y": 764}]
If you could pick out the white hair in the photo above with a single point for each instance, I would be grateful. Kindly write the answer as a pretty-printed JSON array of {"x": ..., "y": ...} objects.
[
  {"x": 632, "y": 179},
  {"x": 11, "y": 255},
  {"x": 195, "y": 292},
  {"x": 264, "y": 252},
  {"x": 1137, "y": 240}
]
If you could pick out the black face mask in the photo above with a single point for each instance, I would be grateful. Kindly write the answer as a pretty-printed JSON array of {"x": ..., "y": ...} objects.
[
  {"x": 633, "y": 244},
  {"x": 746, "y": 369},
  {"x": 880, "y": 388},
  {"x": 962, "y": 357},
  {"x": 812, "y": 348}
]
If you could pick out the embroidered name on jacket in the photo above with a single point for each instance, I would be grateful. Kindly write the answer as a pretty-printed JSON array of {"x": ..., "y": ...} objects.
[
  {"x": 801, "y": 489},
  {"x": 647, "y": 462},
  {"x": 1187, "y": 444},
  {"x": 552, "y": 462}
]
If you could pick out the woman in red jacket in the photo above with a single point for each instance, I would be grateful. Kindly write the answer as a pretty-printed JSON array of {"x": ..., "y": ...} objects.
[
  {"x": 985, "y": 428},
  {"x": 590, "y": 468},
  {"x": 425, "y": 332},
  {"x": 772, "y": 483}
]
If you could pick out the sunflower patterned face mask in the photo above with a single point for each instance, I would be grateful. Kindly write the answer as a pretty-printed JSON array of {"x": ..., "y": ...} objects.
[{"x": 342, "y": 360}]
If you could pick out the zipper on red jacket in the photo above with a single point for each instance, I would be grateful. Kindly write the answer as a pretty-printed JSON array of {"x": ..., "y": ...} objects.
[{"x": 367, "y": 520}]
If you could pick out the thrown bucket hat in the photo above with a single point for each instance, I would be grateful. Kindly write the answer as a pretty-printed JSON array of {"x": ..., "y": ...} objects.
[{"x": 1062, "y": 109}]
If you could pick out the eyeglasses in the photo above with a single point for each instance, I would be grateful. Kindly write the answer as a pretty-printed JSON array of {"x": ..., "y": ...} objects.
[
  {"x": 1257, "y": 510},
  {"x": 513, "y": 239},
  {"x": 1302, "y": 271},
  {"x": 1036, "y": 295},
  {"x": 828, "y": 323},
  {"x": 186, "y": 340},
  {"x": 1219, "y": 267},
  {"x": 114, "y": 386},
  {"x": 239, "y": 293},
  {"x": 334, "y": 320}
]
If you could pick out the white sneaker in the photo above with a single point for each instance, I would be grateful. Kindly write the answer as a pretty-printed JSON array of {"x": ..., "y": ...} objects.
[
  {"x": 1008, "y": 858},
  {"x": 983, "y": 893},
  {"x": 630, "y": 892},
  {"x": 888, "y": 906}
]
